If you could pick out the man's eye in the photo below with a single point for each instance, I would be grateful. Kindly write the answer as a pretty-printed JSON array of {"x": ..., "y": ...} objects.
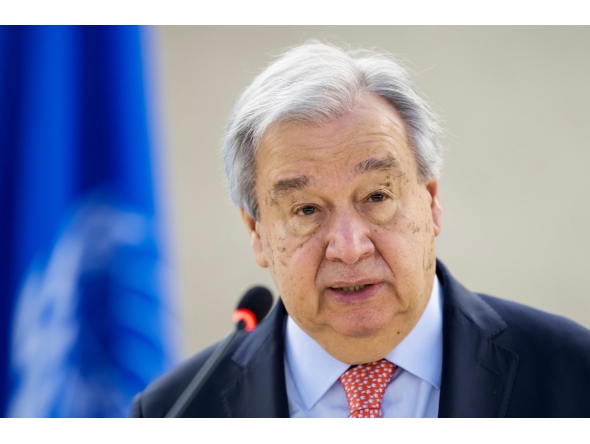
[
  {"x": 377, "y": 197},
  {"x": 307, "y": 211}
]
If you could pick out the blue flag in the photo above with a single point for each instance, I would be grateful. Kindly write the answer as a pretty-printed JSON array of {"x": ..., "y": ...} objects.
[{"x": 86, "y": 317}]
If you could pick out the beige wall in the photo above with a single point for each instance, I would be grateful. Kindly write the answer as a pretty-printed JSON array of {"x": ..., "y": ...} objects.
[{"x": 515, "y": 186}]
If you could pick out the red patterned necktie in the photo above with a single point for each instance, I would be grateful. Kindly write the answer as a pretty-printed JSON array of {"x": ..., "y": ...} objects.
[{"x": 365, "y": 386}]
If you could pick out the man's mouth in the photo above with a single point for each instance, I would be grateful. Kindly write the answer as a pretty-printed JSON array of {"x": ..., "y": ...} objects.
[
  {"x": 352, "y": 294},
  {"x": 349, "y": 289}
]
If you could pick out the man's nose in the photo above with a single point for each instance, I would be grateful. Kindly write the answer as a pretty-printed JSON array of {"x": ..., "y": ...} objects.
[{"x": 348, "y": 237}]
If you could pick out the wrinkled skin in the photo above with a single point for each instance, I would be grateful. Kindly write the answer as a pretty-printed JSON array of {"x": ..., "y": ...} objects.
[{"x": 342, "y": 205}]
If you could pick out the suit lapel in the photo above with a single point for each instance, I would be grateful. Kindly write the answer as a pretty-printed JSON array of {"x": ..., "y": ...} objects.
[
  {"x": 477, "y": 373},
  {"x": 259, "y": 391}
]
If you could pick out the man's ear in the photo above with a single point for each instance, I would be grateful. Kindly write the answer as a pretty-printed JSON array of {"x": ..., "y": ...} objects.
[
  {"x": 435, "y": 207},
  {"x": 253, "y": 228}
]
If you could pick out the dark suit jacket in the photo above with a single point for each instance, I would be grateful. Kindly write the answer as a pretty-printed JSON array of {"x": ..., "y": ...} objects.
[{"x": 500, "y": 359}]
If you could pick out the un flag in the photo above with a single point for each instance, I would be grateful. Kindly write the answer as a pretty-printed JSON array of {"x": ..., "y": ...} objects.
[{"x": 86, "y": 318}]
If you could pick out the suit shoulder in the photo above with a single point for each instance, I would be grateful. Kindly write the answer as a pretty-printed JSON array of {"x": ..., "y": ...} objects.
[
  {"x": 160, "y": 395},
  {"x": 244, "y": 349},
  {"x": 553, "y": 361},
  {"x": 529, "y": 325}
]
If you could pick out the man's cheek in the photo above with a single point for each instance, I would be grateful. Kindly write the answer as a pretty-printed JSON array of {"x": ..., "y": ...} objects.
[
  {"x": 280, "y": 248},
  {"x": 289, "y": 252}
]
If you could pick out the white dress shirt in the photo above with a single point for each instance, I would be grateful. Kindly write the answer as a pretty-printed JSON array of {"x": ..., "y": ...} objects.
[{"x": 414, "y": 391}]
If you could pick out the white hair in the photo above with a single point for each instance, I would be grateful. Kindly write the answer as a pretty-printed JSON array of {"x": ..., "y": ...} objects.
[{"x": 317, "y": 83}]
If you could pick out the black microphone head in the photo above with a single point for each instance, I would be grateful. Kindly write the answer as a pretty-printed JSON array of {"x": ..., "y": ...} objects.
[{"x": 258, "y": 300}]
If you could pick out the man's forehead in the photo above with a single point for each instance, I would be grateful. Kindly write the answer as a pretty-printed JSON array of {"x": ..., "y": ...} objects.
[{"x": 372, "y": 137}]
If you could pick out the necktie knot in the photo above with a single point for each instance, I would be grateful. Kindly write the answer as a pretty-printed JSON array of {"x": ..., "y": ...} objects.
[{"x": 365, "y": 386}]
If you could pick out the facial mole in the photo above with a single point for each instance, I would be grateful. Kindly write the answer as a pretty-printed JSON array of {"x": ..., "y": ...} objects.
[{"x": 413, "y": 227}]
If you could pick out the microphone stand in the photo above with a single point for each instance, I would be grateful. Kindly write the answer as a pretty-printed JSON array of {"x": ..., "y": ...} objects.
[{"x": 203, "y": 374}]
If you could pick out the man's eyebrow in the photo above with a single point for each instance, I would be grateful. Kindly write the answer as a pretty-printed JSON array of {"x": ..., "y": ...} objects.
[
  {"x": 388, "y": 163},
  {"x": 284, "y": 186}
]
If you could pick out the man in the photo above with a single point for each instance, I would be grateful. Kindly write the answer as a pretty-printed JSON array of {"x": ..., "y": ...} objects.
[{"x": 333, "y": 160}]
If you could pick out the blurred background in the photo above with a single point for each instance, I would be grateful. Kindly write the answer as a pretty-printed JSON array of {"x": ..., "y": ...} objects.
[{"x": 121, "y": 253}]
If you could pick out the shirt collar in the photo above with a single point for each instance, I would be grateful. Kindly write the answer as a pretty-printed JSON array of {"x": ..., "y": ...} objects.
[{"x": 420, "y": 353}]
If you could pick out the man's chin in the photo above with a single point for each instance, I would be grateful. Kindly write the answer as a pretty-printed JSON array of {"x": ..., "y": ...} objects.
[
  {"x": 362, "y": 324},
  {"x": 360, "y": 343},
  {"x": 359, "y": 332}
]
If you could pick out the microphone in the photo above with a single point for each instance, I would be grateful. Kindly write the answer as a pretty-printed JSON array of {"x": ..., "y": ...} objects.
[{"x": 252, "y": 308}]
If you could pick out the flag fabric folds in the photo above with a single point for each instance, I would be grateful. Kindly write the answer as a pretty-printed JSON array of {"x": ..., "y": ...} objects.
[{"x": 86, "y": 318}]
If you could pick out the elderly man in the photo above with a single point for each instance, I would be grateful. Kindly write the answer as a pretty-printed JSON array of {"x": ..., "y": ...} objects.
[{"x": 333, "y": 160}]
